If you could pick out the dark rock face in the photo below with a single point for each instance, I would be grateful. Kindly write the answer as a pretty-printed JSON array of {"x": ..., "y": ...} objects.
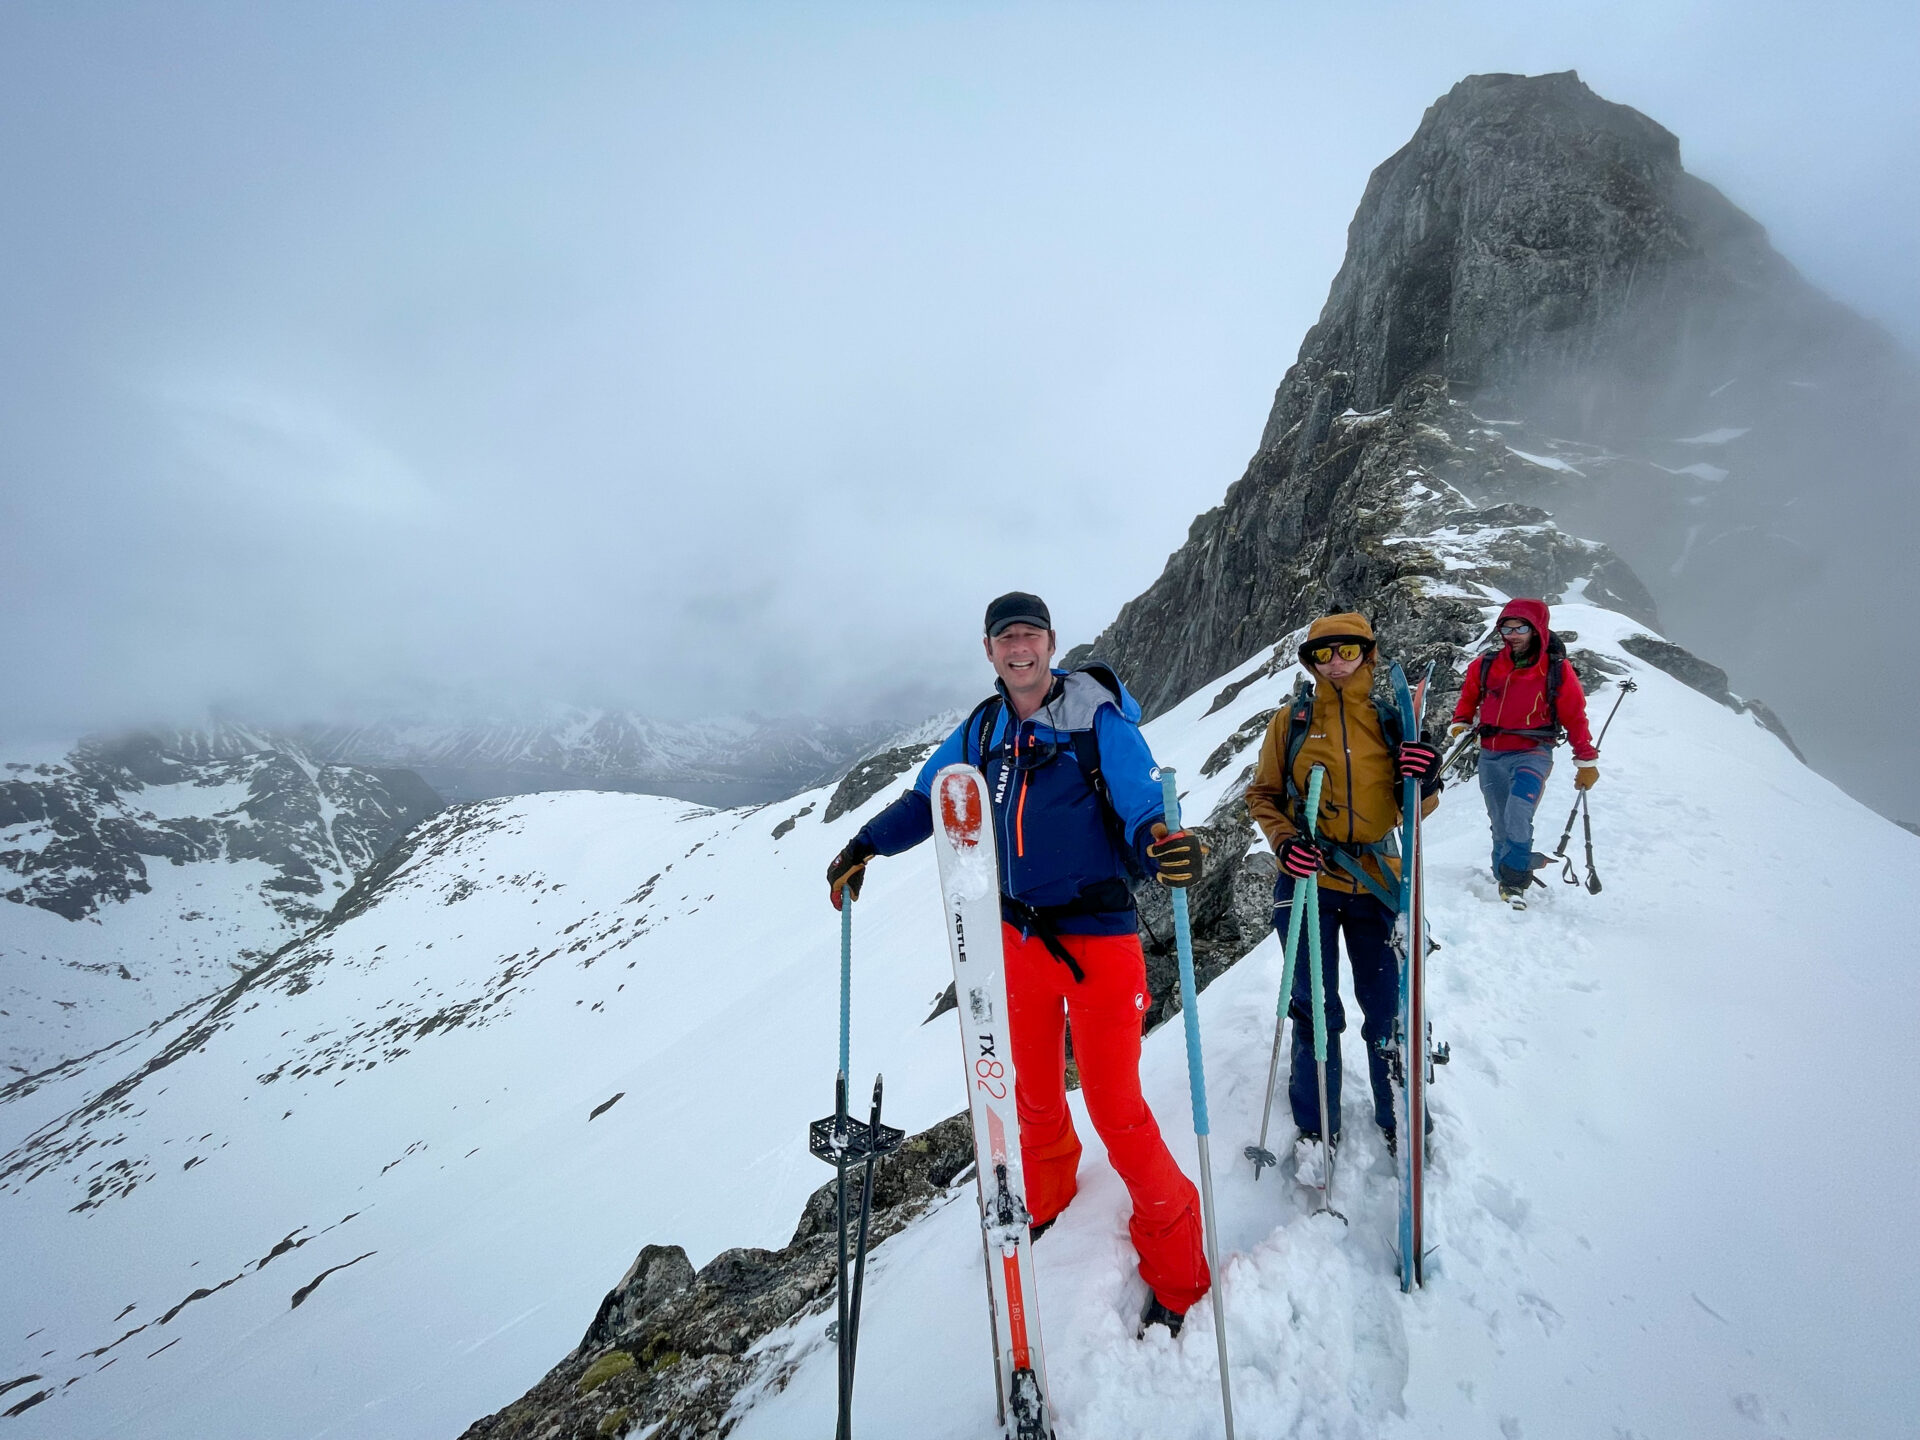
[
  {"x": 1689, "y": 669},
  {"x": 870, "y": 776},
  {"x": 1532, "y": 232},
  {"x": 669, "y": 1347},
  {"x": 78, "y": 836}
]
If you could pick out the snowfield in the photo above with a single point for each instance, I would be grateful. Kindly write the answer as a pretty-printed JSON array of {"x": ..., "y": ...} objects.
[{"x": 1669, "y": 1167}]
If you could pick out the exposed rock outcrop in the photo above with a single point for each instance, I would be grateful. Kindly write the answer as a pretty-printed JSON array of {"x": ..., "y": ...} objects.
[{"x": 669, "y": 1347}]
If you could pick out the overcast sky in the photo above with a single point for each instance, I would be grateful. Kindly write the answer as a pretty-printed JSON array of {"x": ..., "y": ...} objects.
[{"x": 728, "y": 357}]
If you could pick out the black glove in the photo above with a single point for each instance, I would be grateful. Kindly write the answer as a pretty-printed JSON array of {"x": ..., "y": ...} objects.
[
  {"x": 1299, "y": 857},
  {"x": 847, "y": 870},
  {"x": 1415, "y": 760},
  {"x": 1179, "y": 858}
]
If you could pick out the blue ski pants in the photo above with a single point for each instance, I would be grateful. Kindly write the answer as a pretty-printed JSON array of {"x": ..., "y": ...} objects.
[
  {"x": 1512, "y": 782},
  {"x": 1367, "y": 925}
]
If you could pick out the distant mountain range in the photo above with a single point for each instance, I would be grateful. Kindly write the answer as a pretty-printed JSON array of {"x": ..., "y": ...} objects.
[{"x": 728, "y": 760}]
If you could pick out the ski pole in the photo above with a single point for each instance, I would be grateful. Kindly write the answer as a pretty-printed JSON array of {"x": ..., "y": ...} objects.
[
  {"x": 843, "y": 1423},
  {"x": 881, "y": 1140},
  {"x": 834, "y": 1140},
  {"x": 1317, "y": 980},
  {"x": 1259, "y": 1154},
  {"x": 1586, "y": 820},
  {"x": 1627, "y": 687},
  {"x": 846, "y": 978},
  {"x": 1197, "y": 1084}
]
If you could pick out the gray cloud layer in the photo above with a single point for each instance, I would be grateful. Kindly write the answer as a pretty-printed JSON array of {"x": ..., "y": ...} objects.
[{"x": 715, "y": 358}]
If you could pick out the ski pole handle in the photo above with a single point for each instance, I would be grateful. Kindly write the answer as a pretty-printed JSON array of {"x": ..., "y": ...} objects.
[
  {"x": 1183, "y": 940},
  {"x": 846, "y": 979}
]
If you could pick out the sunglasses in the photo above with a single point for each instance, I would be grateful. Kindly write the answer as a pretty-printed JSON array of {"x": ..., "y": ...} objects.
[
  {"x": 1514, "y": 627},
  {"x": 1345, "y": 650}
]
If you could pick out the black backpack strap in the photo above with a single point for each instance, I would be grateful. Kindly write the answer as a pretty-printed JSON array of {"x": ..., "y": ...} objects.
[
  {"x": 1086, "y": 752},
  {"x": 987, "y": 713},
  {"x": 1556, "y": 658},
  {"x": 1299, "y": 721}
]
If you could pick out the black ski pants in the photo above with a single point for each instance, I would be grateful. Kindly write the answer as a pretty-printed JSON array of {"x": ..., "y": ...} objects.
[{"x": 1367, "y": 926}]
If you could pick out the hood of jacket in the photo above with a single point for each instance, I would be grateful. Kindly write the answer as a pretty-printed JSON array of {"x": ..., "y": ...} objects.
[
  {"x": 1077, "y": 696},
  {"x": 1348, "y": 625},
  {"x": 1534, "y": 612}
]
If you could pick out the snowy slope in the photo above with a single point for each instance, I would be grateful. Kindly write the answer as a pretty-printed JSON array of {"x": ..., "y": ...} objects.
[{"x": 1652, "y": 1217}]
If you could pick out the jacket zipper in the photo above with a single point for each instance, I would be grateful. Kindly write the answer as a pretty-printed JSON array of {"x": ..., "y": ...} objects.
[
  {"x": 1020, "y": 819},
  {"x": 1347, "y": 751}
]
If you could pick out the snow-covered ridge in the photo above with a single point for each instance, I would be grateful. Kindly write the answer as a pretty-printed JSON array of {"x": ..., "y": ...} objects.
[{"x": 420, "y": 1095}]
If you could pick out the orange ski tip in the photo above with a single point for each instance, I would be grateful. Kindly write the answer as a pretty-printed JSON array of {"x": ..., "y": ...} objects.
[{"x": 960, "y": 809}]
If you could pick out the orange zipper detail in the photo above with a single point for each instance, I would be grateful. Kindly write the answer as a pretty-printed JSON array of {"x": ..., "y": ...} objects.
[{"x": 1020, "y": 819}]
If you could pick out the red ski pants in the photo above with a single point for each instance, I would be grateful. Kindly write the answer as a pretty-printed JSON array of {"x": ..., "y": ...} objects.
[{"x": 1105, "y": 1011}]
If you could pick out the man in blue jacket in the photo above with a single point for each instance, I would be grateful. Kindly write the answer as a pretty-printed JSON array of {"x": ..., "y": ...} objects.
[{"x": 1076, "y": 813}]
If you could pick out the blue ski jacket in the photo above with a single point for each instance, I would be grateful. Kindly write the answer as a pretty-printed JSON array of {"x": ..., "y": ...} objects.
[{"x": 1061, "y": 847}]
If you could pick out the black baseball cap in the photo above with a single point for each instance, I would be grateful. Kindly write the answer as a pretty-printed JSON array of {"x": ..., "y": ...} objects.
[{"x": 1017, "y": 607}]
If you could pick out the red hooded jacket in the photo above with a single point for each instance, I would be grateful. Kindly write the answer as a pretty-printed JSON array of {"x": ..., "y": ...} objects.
[{"x": 1515, "y": 698}]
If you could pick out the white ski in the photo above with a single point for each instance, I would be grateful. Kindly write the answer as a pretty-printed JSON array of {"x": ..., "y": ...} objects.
[{"x": 970, "y": 886}]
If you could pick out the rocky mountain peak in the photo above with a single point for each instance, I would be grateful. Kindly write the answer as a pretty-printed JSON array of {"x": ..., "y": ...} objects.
[{"x": 1543, "y": 249}]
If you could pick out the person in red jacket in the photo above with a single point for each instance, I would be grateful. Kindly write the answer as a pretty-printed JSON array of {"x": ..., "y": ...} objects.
[{"x": 1523, "y": 698}]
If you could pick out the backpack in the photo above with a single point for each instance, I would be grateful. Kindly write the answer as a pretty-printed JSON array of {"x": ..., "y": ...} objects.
[
  {"x": 1552, "y": 732},
  {"x": 1086, "y": 751}
]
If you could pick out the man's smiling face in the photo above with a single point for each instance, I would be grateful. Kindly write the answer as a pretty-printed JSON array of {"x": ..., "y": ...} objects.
[{"x": 1022, "y": 657}]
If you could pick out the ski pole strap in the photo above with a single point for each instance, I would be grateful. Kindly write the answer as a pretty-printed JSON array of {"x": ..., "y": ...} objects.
[
  {"x": 1353, "y": 867},
  {"x": 846, "y": 979}
]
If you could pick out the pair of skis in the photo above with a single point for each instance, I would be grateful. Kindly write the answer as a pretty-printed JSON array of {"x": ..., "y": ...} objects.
[{"x": 1412, "y": 1062}]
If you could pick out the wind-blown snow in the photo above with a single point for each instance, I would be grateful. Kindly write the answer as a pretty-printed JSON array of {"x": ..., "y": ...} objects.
[
  {"x": 1667, "y": 1191},
  {"x": 1546, "y": 462},
  {"x": 1700, "y": 470}
]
